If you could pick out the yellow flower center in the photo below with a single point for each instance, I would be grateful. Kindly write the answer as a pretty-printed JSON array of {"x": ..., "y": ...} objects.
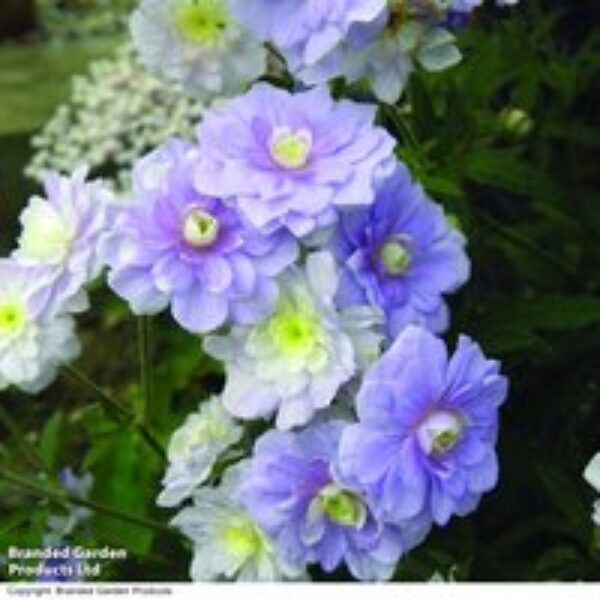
[
  {"x": 200, "y": 228},
  {"x": 294, "y": 333},
  {"x": 201, "y": 21},
  {"x": 291, "y": 149},
  {"x": 12, "y": 318},
  {"x": 241, "y": 537}
]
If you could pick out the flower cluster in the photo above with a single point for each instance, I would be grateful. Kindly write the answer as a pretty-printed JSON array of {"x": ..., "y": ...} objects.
[
  {"x": 291, "y": 237},
  {"x": 214, "y": 47}
]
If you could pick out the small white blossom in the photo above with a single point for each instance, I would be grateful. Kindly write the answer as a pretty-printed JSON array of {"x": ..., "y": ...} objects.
[
  {"x": 592, "y": 476},
  {"x": 194, "y": 448}
]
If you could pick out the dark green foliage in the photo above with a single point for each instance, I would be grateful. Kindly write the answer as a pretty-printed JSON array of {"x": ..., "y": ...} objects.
[{"x": 525, "y": 195}]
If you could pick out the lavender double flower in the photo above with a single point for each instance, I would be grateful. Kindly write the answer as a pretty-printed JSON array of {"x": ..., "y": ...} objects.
[
  {"x": 293, "y": 489},
  {"x": 176, "y": 246},
  {"x": 292, "y": 160},
  {"x": 400, "y": 255},
  {"x": 305, "y": 30},
  {"x": 424, "y": 446}
]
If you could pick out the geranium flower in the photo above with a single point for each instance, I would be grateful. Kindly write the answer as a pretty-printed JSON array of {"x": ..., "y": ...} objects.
[
  {"x": 386, "y": 49},
  {"x": 400, "y": 255},
  {"x": 305, "y": 29},
  {"x": 292, "y": 160},
  {"x": 197, "y": 43},
  {"x": 194, "y": 448},
  {"x": 294, "y": 362},
  {"x": 62, "y": 233},
  {"x": 36, "y": 337},
  {"x": 425, "y": 441},
  {"x": 174, "y": 245},
  {"x": 292, "y": 488}
]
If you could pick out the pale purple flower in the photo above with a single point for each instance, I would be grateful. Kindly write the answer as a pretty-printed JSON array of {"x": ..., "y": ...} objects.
[
  {"x": 305, "y": 30},
  {"x": 385, "y": 50},
  {"x": 62, "y": 233},
  {"x": 294, "y": 491},
  {"x": 465, "y": 6},
  {"x": 400, "y": 255},
  {"x": 292, "y": 160},
  {"x": 425, "y": 442},
  {"x": 174, "y": 245},
  {"x": 61, "y": 568}
]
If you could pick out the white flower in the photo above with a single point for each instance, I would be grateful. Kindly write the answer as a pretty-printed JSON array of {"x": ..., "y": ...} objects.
[
  {"x": 596, "y": 513},
  {"x": 592, "y": 476},
  {"x": 294, "y": 362},
  {"x": 194, "y": 448},
  {"x": 35, "y": 338},
  {"x": 197, "y": 43},
  {"x": 62, "y": 232},
  {"x": 228, "y": 544}
]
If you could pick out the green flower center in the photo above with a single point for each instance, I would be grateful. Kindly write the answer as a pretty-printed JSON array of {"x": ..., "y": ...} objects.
[
  {"x": 440, "y": 432},
  {"x": 294, "y": 333},
  {"x": 342, "y": 507},
  {"x": 241, "y": 538},
  {"x": 395, "y": 257},
  {"x": 12, "y": 318},
  {"x": 200, "y": 228},
  {"x": 291, "y": 149},
  {"x": 201, "y": 21}
]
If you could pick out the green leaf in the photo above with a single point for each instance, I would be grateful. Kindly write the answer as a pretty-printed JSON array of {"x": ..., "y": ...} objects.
[
  {"x": 565, "y": 495},
  {"x": 126, "y": 478},
  {"x": 518, "y": 323},
  {"x": 503, "y": 168},
  {"x": 52, "y": 438}
]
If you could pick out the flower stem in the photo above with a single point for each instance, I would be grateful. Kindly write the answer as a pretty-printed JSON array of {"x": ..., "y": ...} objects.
[
  {"x": 61, "y": 497},
  {"x": 28, "y": 450},
  {"x": 145, "y": 351},
  {"x": 112, "y": 406},
  {"x": 114, "y": 409}
]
